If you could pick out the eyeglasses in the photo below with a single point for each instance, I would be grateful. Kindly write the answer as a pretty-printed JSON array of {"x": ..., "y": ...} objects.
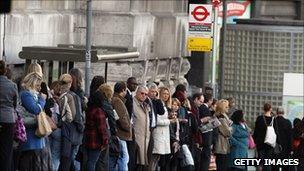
[{"x": 142, "y": 93}]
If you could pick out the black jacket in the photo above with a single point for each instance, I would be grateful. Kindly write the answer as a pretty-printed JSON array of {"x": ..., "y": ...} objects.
[
  {"x": 284, "y": 135},
  {"x": 260, "y": 132},
  {"x": 158, "y": 109},
  {"x": 129, "y": 103}
]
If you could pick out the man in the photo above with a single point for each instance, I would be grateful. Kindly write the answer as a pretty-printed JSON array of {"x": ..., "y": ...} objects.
[
  {"x": 205, "y": 115},
  {"x": 141, "y": 125},
  {"x": 131, "y": 87},
  {"x": 157, "y": 108},
  {"x": 196, "y": 143},
  {"x": 284, "y": 137}
]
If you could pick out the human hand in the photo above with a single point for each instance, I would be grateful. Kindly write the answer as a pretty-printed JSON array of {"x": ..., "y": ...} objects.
[
  {"x": 44, "y": 96},
  {"x": 205, "y": 119}
]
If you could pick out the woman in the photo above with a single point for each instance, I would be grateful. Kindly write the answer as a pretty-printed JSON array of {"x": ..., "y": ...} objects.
[
  {"x": 124, "y": 127},
  {"x": 31, "y": 156},
  {"x": 67, "y": 110},
  {"x": 161, "y": 134},
  {"x": 96, "y": 136},
  {"x": 8, "y": 102},
  {"x": 238, "y": 140},
  {"x": 222, "y": 146},
  {"x": 264, "y": 150}
]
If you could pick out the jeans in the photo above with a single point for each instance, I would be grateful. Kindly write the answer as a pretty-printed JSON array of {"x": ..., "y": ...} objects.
[
  {"x": 120, "y": 162},
  {"x": 123, "y": 157},
  {"x": 75, "y": 164},
  {"x": 93, "y": 156},
  {"x": 55, "y": 145}
]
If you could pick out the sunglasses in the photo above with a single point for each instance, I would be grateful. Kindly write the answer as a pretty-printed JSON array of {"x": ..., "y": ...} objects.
[{"x": 142, "y": 93}]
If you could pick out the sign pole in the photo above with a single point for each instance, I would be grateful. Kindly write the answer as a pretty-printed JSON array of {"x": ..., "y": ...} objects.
[
  {"x": 214, "y": 49},
  {"x": 88, "y": 47}
]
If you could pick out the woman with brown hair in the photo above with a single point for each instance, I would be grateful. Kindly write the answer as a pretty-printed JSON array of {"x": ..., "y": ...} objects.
[
  {"x": 222, "y": 146},
  {"x": 264, "y": 150}
]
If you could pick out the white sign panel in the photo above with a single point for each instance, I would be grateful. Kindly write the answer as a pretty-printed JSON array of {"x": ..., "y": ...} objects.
[
  {"x": 200, "y": 18},
  {"x": 293, "y": 84}
]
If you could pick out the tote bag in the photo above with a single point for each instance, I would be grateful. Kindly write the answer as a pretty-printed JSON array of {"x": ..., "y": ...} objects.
[
  {"x": 251, "y": 144},
  {"x": 271, "y": 136},
  {"x": 44, "y": 128}
]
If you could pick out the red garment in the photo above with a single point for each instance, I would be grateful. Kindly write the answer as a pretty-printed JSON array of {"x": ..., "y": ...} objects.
[
  {"x": 196, "y": 136},
  {"x": 95, "y": 132}
]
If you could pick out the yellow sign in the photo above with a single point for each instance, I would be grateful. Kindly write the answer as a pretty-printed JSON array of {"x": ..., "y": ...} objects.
[{"x": 203, "y": 44}]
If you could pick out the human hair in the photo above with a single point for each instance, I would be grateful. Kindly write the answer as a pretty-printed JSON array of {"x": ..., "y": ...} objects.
[
  {"x": 2, "y": 67},
  {"x": 175, "y": 100},
  {"x": 152, "y": 86},
  {"x": 65, "y": 79},
  {"x": 106, "y": 91},
  {"x": 237, "y": 117},
  {"x": 267, "y": 107},
  {"x": 280, "y": 111},
  {"x": 168, "y": 103},
  {"x": 196, "y": 95},
  {"x": 129, "y": 80},
  {"x": 95, "y": 83},
  {"x": 30, "y": 81},
  {"x": 78, "y": 76},
  {"x": 207, "y": 97},
  {"x": 221, "y": 106},
  {"x": 35, "y": 67},
  {"x": 180, "y": 87},
  {"x": 120, "y": 87},
  {"x": 141, "y": 87}
]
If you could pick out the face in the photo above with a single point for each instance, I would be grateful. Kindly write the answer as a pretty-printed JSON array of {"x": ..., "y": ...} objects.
[
  {"x": 124, "y": 92},
  {"x": 226, "y": 107},
  {"x": 152, "y": 93},
  {"x": 132, "y": 85},
  {"x": 38, "y": 86},
  {"x": 141, "y": 95},
  {"x": 175, "y": 107},
  {"x": 164, "y": 95},
  {"x": 199, "y": 101}
]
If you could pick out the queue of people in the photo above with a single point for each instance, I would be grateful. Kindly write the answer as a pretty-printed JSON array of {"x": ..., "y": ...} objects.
[{"x": 132, "y": 126}]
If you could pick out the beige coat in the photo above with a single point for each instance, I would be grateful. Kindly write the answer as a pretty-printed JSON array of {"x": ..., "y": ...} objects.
[
  {"x": 222, "y": 145},
  {"x": 124, "y": 129},
  {"x": 141, "y": 130}
]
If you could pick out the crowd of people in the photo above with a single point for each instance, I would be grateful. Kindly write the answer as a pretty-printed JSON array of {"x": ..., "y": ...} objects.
[{"x": 131, "y": 126}]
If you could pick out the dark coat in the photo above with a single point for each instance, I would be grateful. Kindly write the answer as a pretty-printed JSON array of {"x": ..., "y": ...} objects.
[
  {"x": 158, "y": 109},
  {"x": 129, "y": 103},
  {"x": 284, "y": 136},
  {"x": 260, "y": 132}
]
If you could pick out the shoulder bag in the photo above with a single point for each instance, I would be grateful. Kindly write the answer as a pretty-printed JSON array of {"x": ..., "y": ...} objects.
[{"x": 271, "y": 136}]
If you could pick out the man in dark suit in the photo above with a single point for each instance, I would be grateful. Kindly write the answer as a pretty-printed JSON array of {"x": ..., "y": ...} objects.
[
  {"x": 205, "y": 115},
  {"x": 132, "y": 147},
  {"x": 131, "y": 87}
]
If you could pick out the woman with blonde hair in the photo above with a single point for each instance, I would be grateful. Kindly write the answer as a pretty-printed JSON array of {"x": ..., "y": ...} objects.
[
  {"x": 222, "y": 146},
  {"x": 31, "y": 156},
  {"x": 35, "y": 67},
  {"x": 161, "y": 134}
]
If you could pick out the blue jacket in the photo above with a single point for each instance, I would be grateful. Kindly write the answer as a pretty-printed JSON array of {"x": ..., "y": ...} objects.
[
  {"x": 33, "y": 104},
  {"x": 239, "y": 144}
]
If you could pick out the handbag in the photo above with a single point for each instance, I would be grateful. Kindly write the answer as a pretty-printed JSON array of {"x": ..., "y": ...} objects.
[
  {"x": 19, "y": 129},
  {"x": 271, "y": 136},
  {"x": 30, "y": 120},
  {"x": 44, "y": 128},
  {"x": 251, "y": 143},
  {"x": 51, "y": 122}
]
